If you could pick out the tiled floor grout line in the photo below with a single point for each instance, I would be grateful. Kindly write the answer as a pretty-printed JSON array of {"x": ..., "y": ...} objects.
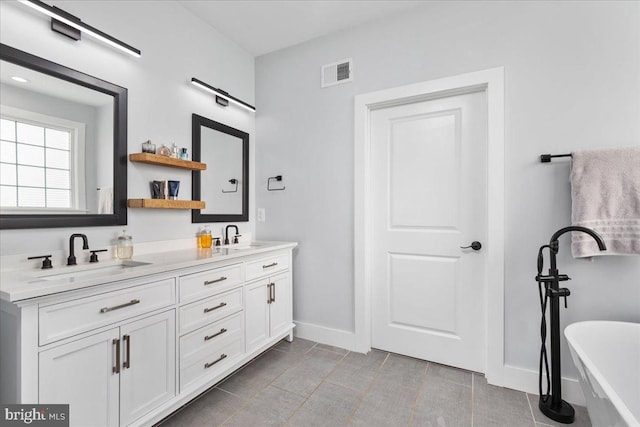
[
  {"x": 473, "y": 390},
  {"x": 318, "y": 386},
  {"x": 415, "y": 401},
  {"x": 530, "y": 408},
  {"x": 252, "y": 398},
  {"x": 366, "y": 391}
]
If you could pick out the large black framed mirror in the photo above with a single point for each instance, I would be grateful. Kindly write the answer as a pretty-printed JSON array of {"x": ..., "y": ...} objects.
[
  {"x": 63, "y": 142},
  {"x": 224, "y": 185}
]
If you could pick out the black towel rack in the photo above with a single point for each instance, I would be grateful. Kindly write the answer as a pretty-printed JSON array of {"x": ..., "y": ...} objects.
[
  {"x": 546, "y": 158},
  {"x": 232, "y": 181},
  {"x": 275, "y": 178}
]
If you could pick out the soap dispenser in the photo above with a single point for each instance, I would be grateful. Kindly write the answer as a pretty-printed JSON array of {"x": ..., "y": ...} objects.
[
  {"x": 205, "y": 237},
  {"x": 124, "y": 248}
]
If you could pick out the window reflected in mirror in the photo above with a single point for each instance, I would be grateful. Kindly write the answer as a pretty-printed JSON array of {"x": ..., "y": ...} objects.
[{"x": 62, "y": 145}]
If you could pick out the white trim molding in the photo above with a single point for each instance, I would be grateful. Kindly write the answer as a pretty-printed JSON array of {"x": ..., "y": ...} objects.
[
  {"x": 325, "y": 335},
  {"x": 492, "y": 81},
  {"x": 527, "y": 380}
]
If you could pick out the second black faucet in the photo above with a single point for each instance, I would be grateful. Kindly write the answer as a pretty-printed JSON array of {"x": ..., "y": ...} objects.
[{"x": 226, "y": 232}]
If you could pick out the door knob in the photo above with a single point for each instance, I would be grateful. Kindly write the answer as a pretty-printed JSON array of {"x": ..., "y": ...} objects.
[{"x": 475, "y": 245}]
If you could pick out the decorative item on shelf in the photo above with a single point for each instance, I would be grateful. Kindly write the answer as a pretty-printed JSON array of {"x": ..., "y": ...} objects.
[
  {"x": 174, "y": 151},
  {"x": 124, "y": 248},
  {"x": 276, "y": 178},
  {"x": 184, "y": 155},
  {"x": 165, "y": 189},
  {"x": 148, "y": 147},
  {"x": 232, "y": 181},
  {"x": 174, "y": 186},
  {"x": 164, "y": 151},
  {"x": 156, "y": 190}
]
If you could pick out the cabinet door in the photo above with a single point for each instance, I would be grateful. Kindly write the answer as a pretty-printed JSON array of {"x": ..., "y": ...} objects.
[
  {"x": 256, "y": 314},
  {"x": 81, "y": 374},
  {"x": 147, "y": 376},
  {"x": 280, "y": 306}
]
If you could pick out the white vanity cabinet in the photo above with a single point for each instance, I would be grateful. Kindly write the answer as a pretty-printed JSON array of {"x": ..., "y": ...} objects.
[
  {"x": 268, "y": 300},
  {"x": 129, "y": 352},
  {"x": 114, "y": 377}
]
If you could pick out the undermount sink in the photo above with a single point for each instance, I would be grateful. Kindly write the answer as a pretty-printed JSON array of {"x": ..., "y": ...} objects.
[
  {"x": 249, "y": 245},
  {"x": 82, "y": 272}
]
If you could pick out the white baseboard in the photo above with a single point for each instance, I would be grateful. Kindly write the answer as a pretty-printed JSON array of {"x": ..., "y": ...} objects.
[
  {"x": 324, "y": 335},
  {"x": 527, "y": 380}
]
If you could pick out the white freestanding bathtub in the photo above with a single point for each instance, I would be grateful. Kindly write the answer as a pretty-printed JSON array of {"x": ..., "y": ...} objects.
[{"x": 607, "y": 355}]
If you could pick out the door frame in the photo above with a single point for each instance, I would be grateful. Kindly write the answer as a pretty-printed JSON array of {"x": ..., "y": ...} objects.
[{"x": 491, "y": 81}]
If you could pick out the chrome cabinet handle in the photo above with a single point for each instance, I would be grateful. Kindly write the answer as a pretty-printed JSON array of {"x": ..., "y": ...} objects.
[
  {"x": 208, "y": 337},
  {"x": 117, "y": 307},
  {"x": 210, "y": 364},
  {"x": 211, "y": 282},
  {"x": 116, "y": 367},
  {"x": 127, "y": 361},
  {"x": 475, "y": 245},
  {"x": 273, "y": 264},
  {"x": 222, "y": 304}
]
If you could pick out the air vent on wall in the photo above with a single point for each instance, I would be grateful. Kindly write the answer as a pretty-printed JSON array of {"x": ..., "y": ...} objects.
[{"x": 337, "y": 72}]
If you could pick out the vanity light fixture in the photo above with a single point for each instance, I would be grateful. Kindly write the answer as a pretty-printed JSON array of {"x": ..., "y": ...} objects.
[
  {"x": 65, "y": 18},
  {"x": 222, "y": 98}
]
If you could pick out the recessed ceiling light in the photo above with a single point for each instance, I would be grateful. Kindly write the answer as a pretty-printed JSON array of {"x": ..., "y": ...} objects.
[{"x": 20, "y": 79}]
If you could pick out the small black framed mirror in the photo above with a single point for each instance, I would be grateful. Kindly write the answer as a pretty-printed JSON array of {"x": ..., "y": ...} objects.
[
  {"x": 64, "y": 145},
  {"x": 224, "y": 185}
]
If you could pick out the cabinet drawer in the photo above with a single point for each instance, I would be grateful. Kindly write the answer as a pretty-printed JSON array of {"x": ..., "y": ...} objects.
[
  {"x": 266, "y": 266},
  {"x": 62, "y": 320},
  {"x": 211, "y": 363},
  {"x": 200, "y": 285},
  {"x": 209, "y": 310},
  {"x": 210, "y": 338}
]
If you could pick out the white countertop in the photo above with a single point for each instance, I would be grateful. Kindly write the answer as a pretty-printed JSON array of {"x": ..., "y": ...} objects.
[{"x": 25, "y": 284}]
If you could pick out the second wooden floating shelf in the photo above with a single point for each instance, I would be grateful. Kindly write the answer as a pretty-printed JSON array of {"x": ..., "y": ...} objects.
[
  {"x": 165, "y": 204},
  {"x": 156, "y": 159}
]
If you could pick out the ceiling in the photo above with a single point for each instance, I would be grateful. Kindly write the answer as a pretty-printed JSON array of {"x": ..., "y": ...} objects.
[{"x": 260, "y": 26}]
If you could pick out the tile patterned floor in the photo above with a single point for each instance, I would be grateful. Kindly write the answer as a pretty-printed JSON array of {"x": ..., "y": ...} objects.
[{"x": 307, "y": 384}]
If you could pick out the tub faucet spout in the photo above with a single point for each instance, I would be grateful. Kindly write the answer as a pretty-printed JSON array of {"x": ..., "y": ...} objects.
[{"x": 553, "y": 243}]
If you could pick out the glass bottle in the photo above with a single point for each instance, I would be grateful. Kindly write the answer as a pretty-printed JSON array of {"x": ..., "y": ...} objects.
[
  {"x": 205, "y": 237},
  {"x": 124, "y": 248}
]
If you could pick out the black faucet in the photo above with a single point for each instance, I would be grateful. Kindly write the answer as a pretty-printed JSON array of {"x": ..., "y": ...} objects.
[
  {"x": 85, "y": 245},
  {"x": 552, "y": 404},
  {"x": 226, "y": 232}
]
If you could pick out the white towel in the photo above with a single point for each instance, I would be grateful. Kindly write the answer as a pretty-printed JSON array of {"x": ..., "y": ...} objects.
[
  {"x": 105, "y": 200},
  {"x": 605, "y": 193}
]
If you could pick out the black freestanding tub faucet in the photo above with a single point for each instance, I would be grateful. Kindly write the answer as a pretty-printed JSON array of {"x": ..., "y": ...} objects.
[{"x": 551, "y": 403}]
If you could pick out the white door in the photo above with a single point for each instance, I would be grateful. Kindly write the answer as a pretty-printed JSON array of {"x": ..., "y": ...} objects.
[
  {"x": 147, "y": 373},
  {"x": 429, "y": 198},
  {"x": 81, "y": 374}
]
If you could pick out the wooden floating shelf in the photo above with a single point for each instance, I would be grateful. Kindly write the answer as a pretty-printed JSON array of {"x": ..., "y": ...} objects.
[
  {"x": 165, "y": 204},
  {"x": 156, "y": 159}
]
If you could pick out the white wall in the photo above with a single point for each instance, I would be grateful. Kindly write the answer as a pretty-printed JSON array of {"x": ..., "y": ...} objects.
[
  {"x": 572, "y": 82},
  {"x": 176, "y": 45}
]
